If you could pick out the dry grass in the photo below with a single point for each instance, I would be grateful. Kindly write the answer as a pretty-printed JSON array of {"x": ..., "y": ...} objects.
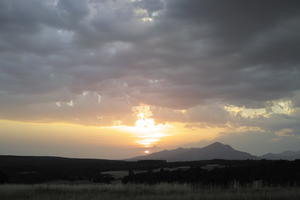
[{"x": 143, "y": 192}]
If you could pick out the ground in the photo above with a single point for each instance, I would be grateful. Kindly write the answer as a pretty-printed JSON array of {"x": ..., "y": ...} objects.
[{"x": 144, "y": 192}]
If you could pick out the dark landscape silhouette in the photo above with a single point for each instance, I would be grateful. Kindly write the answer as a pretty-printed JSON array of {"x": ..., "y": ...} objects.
[{"x": 215, "y": 164}]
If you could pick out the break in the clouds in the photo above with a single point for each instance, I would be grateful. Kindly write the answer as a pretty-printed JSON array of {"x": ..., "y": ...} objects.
[{"x": 200, "y": 62}]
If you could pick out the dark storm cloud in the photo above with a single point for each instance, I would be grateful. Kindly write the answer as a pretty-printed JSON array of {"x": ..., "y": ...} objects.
[
  {"x": 192, "y": 53},
  {"x": 234, "y": 19},
  {"x": 249, "y": 51}
]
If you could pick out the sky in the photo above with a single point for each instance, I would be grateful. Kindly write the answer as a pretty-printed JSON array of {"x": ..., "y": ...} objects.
[{"x": 119, "y": 78}]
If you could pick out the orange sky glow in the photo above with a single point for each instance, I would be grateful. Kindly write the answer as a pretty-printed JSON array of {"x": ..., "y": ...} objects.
[{"x": 144, "y": 137}]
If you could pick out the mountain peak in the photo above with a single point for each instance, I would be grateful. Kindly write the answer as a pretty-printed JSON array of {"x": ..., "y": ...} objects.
[{"x": 218, "y": 145}]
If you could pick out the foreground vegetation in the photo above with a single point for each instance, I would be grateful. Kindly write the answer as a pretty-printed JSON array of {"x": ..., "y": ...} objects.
[
  {"x": 37, "y": 170},
  {"x": 145, "y": 192}
]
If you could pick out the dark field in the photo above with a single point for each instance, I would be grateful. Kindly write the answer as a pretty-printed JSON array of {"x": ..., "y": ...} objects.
[
  {"x": 47, "y": 178},
  {"x": 40, "y": 170},
  {"x": 145, "y": 192}
]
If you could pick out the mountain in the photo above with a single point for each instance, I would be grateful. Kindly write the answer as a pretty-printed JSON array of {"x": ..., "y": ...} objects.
[
  {"x": 286, "y": 155},
  {"x": 216, "y": 150}
]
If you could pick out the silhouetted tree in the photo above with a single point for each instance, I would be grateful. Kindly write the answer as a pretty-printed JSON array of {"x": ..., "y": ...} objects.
[
  {"x": 130, "y": 172},
  {"x": 3, "y": 177},
  {"x": 103, "y": 178},
  {"x": 243, "y": 173}
]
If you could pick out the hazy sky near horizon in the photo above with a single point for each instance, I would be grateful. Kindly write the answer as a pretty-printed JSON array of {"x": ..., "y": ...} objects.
[{"x": 114, "y": 78}]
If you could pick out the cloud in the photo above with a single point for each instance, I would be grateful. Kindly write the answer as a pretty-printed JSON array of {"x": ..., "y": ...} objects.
[
  {"x": 189, "y": 61},
  {"x": 284, "y": 132}
]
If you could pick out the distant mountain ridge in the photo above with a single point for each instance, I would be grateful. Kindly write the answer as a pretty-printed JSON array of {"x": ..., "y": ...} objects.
[
  {"x": 286, "y": 155},
  {"x": 216, "y": 150}
]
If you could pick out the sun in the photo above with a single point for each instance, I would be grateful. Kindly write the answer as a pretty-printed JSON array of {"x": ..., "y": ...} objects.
[
  {"x": 146, "y": 151},
  {"x": 145, "y": 131}
]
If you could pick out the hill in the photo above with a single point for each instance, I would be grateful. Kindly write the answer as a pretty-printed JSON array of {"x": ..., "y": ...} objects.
[
  {"x": 216, "y": 150},
  {"x": 35, "y": 169}
]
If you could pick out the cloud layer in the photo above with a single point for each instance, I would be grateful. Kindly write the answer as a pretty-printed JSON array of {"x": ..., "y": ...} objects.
[{"x": 90, "y": 62}]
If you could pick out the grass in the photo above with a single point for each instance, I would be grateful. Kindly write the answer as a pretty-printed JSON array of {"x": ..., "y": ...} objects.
[{"x": 143, "y": 192}]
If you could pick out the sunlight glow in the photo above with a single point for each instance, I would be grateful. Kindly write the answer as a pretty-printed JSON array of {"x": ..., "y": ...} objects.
[
  {"x": 146, "y": 152},
  {"x": 146, "y": 131}
]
